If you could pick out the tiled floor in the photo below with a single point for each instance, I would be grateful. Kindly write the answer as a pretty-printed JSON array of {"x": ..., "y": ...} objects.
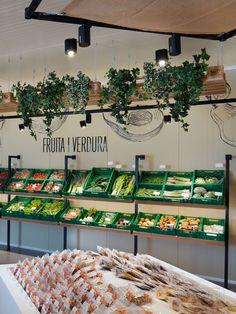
[{"x": 15, "y": 255}]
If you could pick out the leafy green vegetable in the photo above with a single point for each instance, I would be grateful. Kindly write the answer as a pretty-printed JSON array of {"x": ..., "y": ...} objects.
[{"x": 123, "y": 185}]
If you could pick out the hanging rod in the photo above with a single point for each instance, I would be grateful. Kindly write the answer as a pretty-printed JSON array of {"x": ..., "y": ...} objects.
[{"x": 138, "y": 107}]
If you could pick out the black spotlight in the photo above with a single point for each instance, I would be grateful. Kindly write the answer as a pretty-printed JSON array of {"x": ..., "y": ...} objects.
[
  {"x": 70, "y": 47},
  {"x": 83, "y": 124},
  {"x": 161, "y": 57},
  {"x": 84, "y": 35},
  {"x": 167, "y": 118},
  {"x": 21, "y": 127},
  {"x": 88, "y": 118},
  {"x": 174, "y": 45}
]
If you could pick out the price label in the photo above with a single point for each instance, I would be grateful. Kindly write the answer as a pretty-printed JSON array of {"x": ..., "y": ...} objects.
[
  {"x": 219, "y": 165},
  {"x": 118, "y": 166},
  {"x": 156, "y": 193},
  {"x": 133, "y": 166},
  {"x": 110, "y": 163},
  {"x": 218, "y": 193},
  {"x": 162, "y": 167},
  {"x": 185, "y": 195},
  {"x": 79, "y": 189}
]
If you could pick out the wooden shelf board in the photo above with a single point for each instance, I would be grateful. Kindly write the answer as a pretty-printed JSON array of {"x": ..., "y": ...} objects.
[
  {"x": 26, "y": 194},
  {"x": 168, "y": 237},
  {"x": 36, "y": 221},
  {"x": 96, "y": 228},
  {"x": 103, "y": 199},
  {"x": 176, "y": 204}
]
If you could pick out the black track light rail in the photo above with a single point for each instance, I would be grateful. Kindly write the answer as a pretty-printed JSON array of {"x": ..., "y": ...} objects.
[
  {"x": 30, "y": 13},
  {"x": 137, "y": 107}
]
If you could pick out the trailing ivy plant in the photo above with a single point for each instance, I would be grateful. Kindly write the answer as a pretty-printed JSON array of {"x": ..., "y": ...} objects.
[
  {"x": 77, "y": 91},
  {"x": 184, "y": 82},
  {"x": 29, "y": 103},
  {"x": 48, "y": 98},
  {"x": 119, "y": 91}
]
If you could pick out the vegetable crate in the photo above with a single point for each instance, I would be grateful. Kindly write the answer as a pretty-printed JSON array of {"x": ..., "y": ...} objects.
[
  {"x": 88, "y": 217},
  {"x": 32, "y": 207},
  {"x": 57, "y": 175},
  {"x": 149, "y": 191},
  {"x": 189, "y": 233},
  {"x": 177, "y": 193},
  {"x": 215, "y": 194},
  {"x": 123, "y": 221},
  {"x": 3, "y": 183},
  {"x": 179, "y": 178},
  {"x": 40, "y": 174},
  {"x": 14, "y": 207},
  {"x": 52, "y": 187},
  {"x": 71, "y": 215},
  {"x": 105, "y": 219},
  {"x": 51, "y": 210},
  {"x": 4, "y": 173},
  {"x": 208, "y": 176},
  {"x": 123, "y": 185},
  {"x": 99, "y": 182},
  {"x": 76, "y": 182},
  {"x": 33, "y": 186},
  {"x": 22, "y": 173},
  {"x": 169, "y": 228},
  {"x": 145, "y": 218},
  {"x": 153, "y": 177},
  {"x": 212, "y": 235},
  {"x": 15, "y": 185}
]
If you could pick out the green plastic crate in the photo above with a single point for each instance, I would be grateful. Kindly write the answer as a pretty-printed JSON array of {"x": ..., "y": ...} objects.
[
  {"x": 182, "y": 199},
  {"x": 168, "y": 231},
  {"x": 147, "y": 177},
  {"x": 3, "y": 183},
  {"x": 189, "y": 233},
  {"x": 181, "y": 174},
  {"x": 212, "y": 235},
  {"x": 71, "y": 179},
  {"x": 21, "y": 170},
  {"x": 4, "y": 171},
  {"x": 102, "y": 215},
  {"x": 46, "y": 172},
  {"x": 71, "y": 220},
  {"x": 219, "y": 174},
  {"x": 59, "y": 192},
  {"x": 50, "y": 178},
  {"x": 158, "y": 192},
  {"x": 126, "y": 216},
  {"x": 95, "y": 173},
  {"x": 10, "y": 181},
  {"x": 149, "y": 229},
  {"x": 116, "y": 175},
  {"x": 14, "y": 213},
  {"x": 84, "y": 214},
  {"x": 217, "y": 188},
  {"x": 51, "y": 217},
  {"x": 29, "y": 181},
  {"x": 32, "y": 215}
]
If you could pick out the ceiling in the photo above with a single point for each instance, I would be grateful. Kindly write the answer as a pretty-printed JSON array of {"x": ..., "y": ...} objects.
[{"x": 30, "y": 49}]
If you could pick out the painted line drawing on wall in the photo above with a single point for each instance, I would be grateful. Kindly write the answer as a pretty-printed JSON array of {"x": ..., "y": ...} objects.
[
  {"x": 142, "y": 125},
  {"x": 39, "y": 127},
  {"x": 225, "y": 118}
]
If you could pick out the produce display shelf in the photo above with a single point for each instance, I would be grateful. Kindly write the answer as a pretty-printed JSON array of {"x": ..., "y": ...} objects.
[
  {"x": 171, "y": 237},
  {"x": 192, "y": 205}
]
